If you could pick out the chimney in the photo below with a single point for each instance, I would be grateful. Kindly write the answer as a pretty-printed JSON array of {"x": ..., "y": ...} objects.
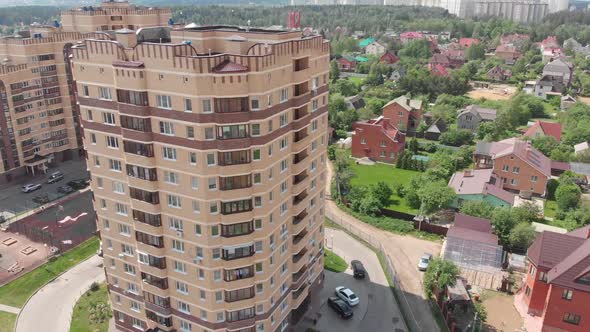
[{"x": 126, "y": 37}]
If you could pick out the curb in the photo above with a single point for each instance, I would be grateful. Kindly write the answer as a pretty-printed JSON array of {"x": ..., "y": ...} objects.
[
  {"x": 78, "y": 299},
  {"x": 45, "y": 284}
]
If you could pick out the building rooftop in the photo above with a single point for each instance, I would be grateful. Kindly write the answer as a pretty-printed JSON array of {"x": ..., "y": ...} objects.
[
  {"x": 478, "y": 182},
  {"x": 522, "y": 149},
  {"x": 552, "y": 129},
  {"x": 484, "y": 113},
  {"x": 407, "y": 103}
]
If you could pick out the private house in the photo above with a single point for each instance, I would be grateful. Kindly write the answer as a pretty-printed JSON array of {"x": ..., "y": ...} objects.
[
  {"x": 456, "y": 57},
  {"x": 404, "y": 113},
  {"x": 435, "y": 129},
  {"x": 556, "y": 287},
  {"x": 547, "y": 85},
  {"x": 549, "y": 43},
  {"x": 397, "y": 73},
  {"x": 498, "y": 74},
  {"x": 516, "y": 163},
  {"x": 480, "y": 185},
  {"x": 472, "y": 116},
  {"x": 439, "y": 59},
  {"x": 559, "y": 68},
  {"x": 551, "y": 54},
  {"x": 507, "y": 52},
  {"x": 542, "y": 128},
  {"x": 567, "y": 101},
  {"x": 408, "y": 36},
  {"x": 576, "y": 47},
  {"x": 354, "y": 102},
  {"x": 346, "y": 63},
  {"x": 378, "y": 140},
  {"x": 438, "y": 70},
  {"x": 389, "y": 58},
  {"x": 375, "y": 48},
  {"x": 467, "y": 42},
  {"x": 514, "y": 39},
  {"x": 581, "y": 147},
  {"x": 366, "y": 42}
]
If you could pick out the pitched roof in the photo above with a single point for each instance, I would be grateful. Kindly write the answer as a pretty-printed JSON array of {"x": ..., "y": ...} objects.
[
  {"x": 407, "y": 103},
  {"x": 466, "y": 42},
  {"x": 477, "y": 182},
  {"x": 523, "y": 150},
  {"x": 550, "y": 248},
  {"x": 581, "y": 147},
  {"x": 484, "y": 113},
  {"x": 473, "y": 223},
  {"x": 582, "y": 232},
  {"x": 228, "y": 66},
  {"x": 440, "y": 58},
  {"x": 574, "y": 266},
  {"x": 472, "y": 235},
  {"x": 439, "y": 70},
  {"x": 389, "y": 58},
  {"x": 411, "y": 35},
  {"x": 365, "y": 42},
  {"x": 383, "y": 124},
  {"x": 552, "y": 129}
]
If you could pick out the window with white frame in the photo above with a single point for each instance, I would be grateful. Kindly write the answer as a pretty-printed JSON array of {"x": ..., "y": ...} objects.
[
  {"x": 121, "y": 209},
  {"x": 175, "y": 224},
  {"x": 254, "y": 104},
  {"x": 115, "y": 165},
  {"x": 188, "y": 105},
  {"x": 185, "y": 326},
  {"x": 104, "y": 93},
  {"x": 181, "y": 306},
  {"x": 284, "y": 95},
  {"x": 127, "y": 249},
  {"x": 166, "y": 128},
  {"x": 180, "y": 267},
  {"x": 112, "y": 142},
  {"x": 170, "y": 177},
  {"x": 174, "y": 201},
  {"x": 255, "y": 129},
  {"x": 129, "y": 269},
  {"x": 177, "y": 245},
  {"x": 283, "y": 120},
  {"x": 207, "y": 106},
  {"x": 108, "y": 118},
  {"x": 163, "y": 101},
  {"x": 169, "y": 153},
  {"x": 118, "y": 187}
]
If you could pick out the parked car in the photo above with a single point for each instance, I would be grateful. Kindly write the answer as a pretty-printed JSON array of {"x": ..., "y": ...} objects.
[
  {"x": 41, "y": 199},
  {"x": 358, "y": 270},
  {"x": 55, "y": 176},
  {"x": 341, "y": 308},
  {"x": 65, "y": 189},
  {"x": 27, "y": 188},
  {"x": 424, "y": 261},
  {"x": 78, "y": 184},
  {"x": 347, "y": 296}
]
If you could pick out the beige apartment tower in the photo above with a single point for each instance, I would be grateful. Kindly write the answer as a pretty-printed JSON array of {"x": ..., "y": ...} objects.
[{"x": 208, "y": 161}]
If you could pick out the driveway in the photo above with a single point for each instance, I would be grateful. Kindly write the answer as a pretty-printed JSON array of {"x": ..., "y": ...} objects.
[
  {"x": 50, "y": 309},
  {"x": 404, "y": 253},
  {"x": 377, "y": 310}
]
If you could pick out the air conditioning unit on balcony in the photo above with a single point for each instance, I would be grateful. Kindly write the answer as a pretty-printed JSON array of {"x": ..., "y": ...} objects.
[
  {"x": 179, "y": 233},
  {"x": 121, "y": 255},
  {"x": 197, "y": 260}
]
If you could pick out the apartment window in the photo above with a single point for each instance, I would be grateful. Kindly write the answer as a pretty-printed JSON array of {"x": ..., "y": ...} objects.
[
  {"x": 314, "y": 105},
  {"x": 137, "y": 323},
  {"x": 283, "y": 143},
  {"x": 188, "y": 105},
  {"x": 567, "y": 294},
  {"x": 190, "y": 132},
  {"x": 212, "y": 183},
  {"x": 207, "y": 106},
  {"x": 210, "y": 159},
  {"x": 215, "y": 230},
  {"x": 118, "y": 187},
  {"x": 170, "y": 177},
  {"x": 174, "y": 201},
  {"x": 202, "y": 295},
  {"x": 85, "y": 91},
  {"x": 284, "y": 165},
  {"x": 93, "y": 138},
  {"x": 179, "y": 267},
  {"x": 255, "y": 129},
  {"x": 104, "y": 93},
  {"x": 192, "y": 156},
  {"x": 505, "y": 168},
  {"x": 103, "y": 204},
  {"x": 284, "y": 120},
  {"x": 209, "y": 134},
  {"x": 185, "y": 326},
  {"x": 255, "y": 104},
  {"x": 257, "y": 201},
  {"x": 284, "y": 95},
  {"x": 112, "y": 142},
  {"x": 127, "y": 249},
  {"x": 167, "y": 128},
  {"x": 115, "y": 165},
  {"x": 571, "y": 318},
  {"x": 164, "y": 101},
  {"x": 176, "y": 224},
  {"x": 108, "y": 118},
  {"x": 256, "y": 154},
  {"x": 96, "y": 161},
  {"x": 515, "y": 169},
  {"x": 269, "y": 126},
  {"x": 194, "y": 182},
  {"x": 169, "y": 153},
  {"x": 196, "y": 207},
  {"x": 129, "y": 269},
  {"x": 99, "y": 182},
  {"x": 216, "y": 253},
  {"x": 121, "y": 209},
  {"x": 258, "y": 267},
  {"x": 543, "y": 276},
  {"x": 213, "y": 208},
  {"x": 256, "y": 178},
  {"x": 183, "y": 307},
  {"x": 182, "y": 288}
]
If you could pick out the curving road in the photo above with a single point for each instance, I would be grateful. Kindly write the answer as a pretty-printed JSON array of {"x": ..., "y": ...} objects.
[{"x": 50, "y": 309}]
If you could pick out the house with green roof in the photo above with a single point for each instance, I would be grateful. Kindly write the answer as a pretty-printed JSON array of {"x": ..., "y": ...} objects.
[{"x": 366, "y": 42}]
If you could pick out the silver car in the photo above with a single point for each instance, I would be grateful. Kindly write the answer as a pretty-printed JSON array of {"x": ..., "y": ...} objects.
[
  {"x": 27, "y": 188},
  {"x": 347, "y": 296},
  {"x": 424, "y": 261}
]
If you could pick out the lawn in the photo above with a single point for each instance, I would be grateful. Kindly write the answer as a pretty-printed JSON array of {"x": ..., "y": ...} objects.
[
  {"x": 358, "y": 81},
  {"x": 391, "y": 175},
  {"x": 7, "y": 321},
  {"x": 18, "y": 291},
  {"x": 333, "y": 262},
  {"x": 80, "y": 317},
  {"x": 550, "y": 208}
]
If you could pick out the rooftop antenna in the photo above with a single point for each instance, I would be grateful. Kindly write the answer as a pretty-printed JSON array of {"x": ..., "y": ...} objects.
[{"x": 248, "y": 28}]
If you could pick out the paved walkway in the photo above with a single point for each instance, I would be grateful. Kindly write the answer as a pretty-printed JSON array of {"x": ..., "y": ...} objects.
[
  {"x": 404, "y": 252},
  {"x": 7, "y": 308},
  {"x": 50, "y": 309}
]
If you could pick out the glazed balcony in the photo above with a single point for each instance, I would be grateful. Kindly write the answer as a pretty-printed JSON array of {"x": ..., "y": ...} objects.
[
  {"x": 150, "y": 197},
  {"x": 238, "y": 274},
  {"x": 228, "y": 254},
  {"x": 161, "y": 283},
  {"x": 238, "y": 229},
  {"x": 235, "y": 182},
  {"x": 150, "y": 240},
  {"x": 231, "y": 105},
  {"x": 137, "y": 124},
  {"x": 160, "y": 320},
  {"x": 234, "y": 207},
  {"x": 239, "y": 294},
  {"x": 158, "y": 304}
]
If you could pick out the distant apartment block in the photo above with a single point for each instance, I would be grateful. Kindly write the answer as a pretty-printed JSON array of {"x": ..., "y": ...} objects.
[{"x": 208, "y": 157}]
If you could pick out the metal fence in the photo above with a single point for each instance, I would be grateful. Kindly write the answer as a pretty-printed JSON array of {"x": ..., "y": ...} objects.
[{"x": 405, "y": 307}]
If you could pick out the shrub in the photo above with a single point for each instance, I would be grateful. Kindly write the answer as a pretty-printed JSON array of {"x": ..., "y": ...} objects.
[{"x": 94, "y": 286}]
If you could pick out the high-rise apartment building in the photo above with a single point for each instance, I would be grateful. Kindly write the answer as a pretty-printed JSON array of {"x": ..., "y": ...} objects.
[
  {"x": 38, "y": 111},
  {"x": 208, "y": 154}
]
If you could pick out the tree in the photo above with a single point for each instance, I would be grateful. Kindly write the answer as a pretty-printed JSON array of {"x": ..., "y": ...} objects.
[
  {"x": 503, "y": 222},
  {"x": 345, "y": 87},
  {"x": 568, "y": 196},
  {"x": 331, "y": 152},
  {"x": 342, "y": 175},
  {"x": 439, "y": 274},
  {"x": 334, "y": 71},
  {"x": 562, "y": 153},
  {"x": 475, "y": 52},
  {"x": 376, "y": 73},
  {"x": 454, "y": 137},
  {"x": 413, "y": 145},
  {"x": 522, "y": 236},
  {"x": 545, "y": 144},
  {"x": 382, "y": 192},
  {"x": 481, "y": 209},
  {"x": 552, "y": 185},
  {"x": 435, "y": 196},
  {"x": 419, "y": 49}
]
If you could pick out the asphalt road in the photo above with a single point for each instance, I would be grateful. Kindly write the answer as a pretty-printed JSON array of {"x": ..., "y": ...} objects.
[
  {"x": 13, "y": 200},
  {"x": 377, "y": 311}
]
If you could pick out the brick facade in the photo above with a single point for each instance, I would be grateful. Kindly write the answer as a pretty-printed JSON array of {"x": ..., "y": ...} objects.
[{"x": 378, "y": 140}]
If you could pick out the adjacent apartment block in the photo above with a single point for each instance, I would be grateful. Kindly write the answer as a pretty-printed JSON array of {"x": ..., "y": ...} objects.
[
  {"x": 557, "y": 284},
  {"x": 378, "y": 140},
  {"x": 114, "y": 15},
  {"x": 516, "y": 163},
  {"x": 207, "y": 155}
]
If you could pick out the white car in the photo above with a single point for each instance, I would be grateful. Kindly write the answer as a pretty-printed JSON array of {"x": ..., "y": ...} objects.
[
  {"x": 27, "y": 188},
  {"x": 347, "y": 296},
  {"x": 424, "y": 261}
]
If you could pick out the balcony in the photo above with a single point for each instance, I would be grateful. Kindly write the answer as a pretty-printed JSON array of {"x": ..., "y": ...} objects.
[
  {"x": 231, "y": 105},
  {"x": 300, "y": 135},
  {"x": 297, "y": 179},
  {"x": 155, "y": 262},
  {"x": 300, "y": 64},
  {"x": 140, "y": 149},
  {"x": 229, "y": 254},
  {"x": 150, "y": 240},
  {"x": 301, "y": 254},
  {"x": 142, "y": 173},
  {"x": 299, "y": 292},
  {"x": 299, "y": 218},
  {"x": 233, "y": 207},
  {"x": 300, "y": 89},
  {"x": 235, "y": 182},
  {"x": 160, "y": 320},
  {"x": 233, "y": 158},
  {"x": 238, "y": 274},
  {"x": 161, "y": 283},
  {"x": 239, "y": 315},
  {"x": 239, "y": 294},
  {"x": 232, "y": 132},
  {"x": 299, "y": 113},
  {"x": 299, "y": 198},
  {"x": 297, "y": 276},
  {"x": 145, "y": 196},
  {"x": 158, "y": 304},
  {"x": 233, "y": 230},
  {"x": 299, "y": 237},
  {"x": 138, "y": 124}
]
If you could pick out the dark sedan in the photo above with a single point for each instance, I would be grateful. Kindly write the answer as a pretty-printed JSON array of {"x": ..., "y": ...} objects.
[{"x": 341, "y": 308}]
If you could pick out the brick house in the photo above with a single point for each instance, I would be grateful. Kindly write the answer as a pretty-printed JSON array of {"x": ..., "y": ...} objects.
[
  {"x": 498, "y": 74},
  {"x": 388, "y": 58},
  {"x": 378, "y": 140},
  {"x": 439, "y": 70},
  {"x": 508, "y": 53},
  {"x": 467, "y": 42},
  {"x": 346, "y": 63},
  {"x": 518, "y": 165},
  {"x": 408, "y": 36},
  {"x": 404, "y": 113},
  {"x": 439, "y": 59},
  {"x": 557, "y": 284},
  {"x": 542, "y": 128}
]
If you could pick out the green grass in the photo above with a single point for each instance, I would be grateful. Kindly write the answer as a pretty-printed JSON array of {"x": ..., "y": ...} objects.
[
  {"x": 358, "y": 81},
  {"x": 391, "y": 175},
  {"x": 80, "y": 317},
  {"x": 7, "y": 321},
  {"x": 550, "y": 208},
  {"x": 18, "y": 291},
  {"x": 333, "y": 262}
]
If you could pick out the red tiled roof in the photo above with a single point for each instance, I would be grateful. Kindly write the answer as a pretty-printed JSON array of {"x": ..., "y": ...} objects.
[
  {"x": 473, "y": 223},
  {"x": 411, "y": 35},
  {"x": 571, "y": 268},
  {"x": 389, "y": 58},
  {"x": 549, "y": 129},
  {"x": 550, "y": 248},
  {"x": 560, "y": 165},
  {"x": 229, "y": 67},
  {"x": 466, "y": 42},
  {"x": 439, "y": 70}
]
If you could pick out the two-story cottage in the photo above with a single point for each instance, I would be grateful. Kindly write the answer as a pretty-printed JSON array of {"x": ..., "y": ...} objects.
[
  {"x": 346, "y": 63},
  {"x": 472, "y": 116},
  {"x": 542, "y": 128},
  {"x": 404, "y": 113},
  {"x": 518, "y": 165},
  {"x": 375, "y": 48},
  {"x": 378, "y": 140},
  {"x": 557, "y": 283},
  {"x": 559, "y": 68},
  {"x": 498, "y": 74},
  {"x": 388, "y": 58}
]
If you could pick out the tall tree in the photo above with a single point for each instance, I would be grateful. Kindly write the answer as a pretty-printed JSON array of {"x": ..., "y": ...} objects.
[
  {"x": 334, "y": 71},
  {"x": 342, "y": 175},
  {"x": 439, "y": 274}
]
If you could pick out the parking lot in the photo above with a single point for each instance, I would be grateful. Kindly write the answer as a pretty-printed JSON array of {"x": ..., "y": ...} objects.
[
  {"x": 377, "y": 310},
  {"x": 14, "y": 201}
]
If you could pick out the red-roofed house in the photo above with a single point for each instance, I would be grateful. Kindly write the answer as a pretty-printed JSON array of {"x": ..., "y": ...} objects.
[
  {"x": 541, "y": 128},
  {"x": 517, "y": 164},
  {"x": 549, "y": 43},
  {"x": 439, "y": 59},
  {"x": 507, "y": 53},
  {"x": 438, "y": 70},
  {"x": 378, "y": 140},
  {"x": 466, "y": 42},
  {"x": 557, "y": 283},
  {"x": 389, "y": 58},
  {"x": 404, "y": 113},
  {"x": 480, "y": 185},
  {"x": 514, "y": 38},
  {"x": 346, "y": 63},
  {"x": 456, "y": 57},
  {"x": 408, "y": 36}
]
